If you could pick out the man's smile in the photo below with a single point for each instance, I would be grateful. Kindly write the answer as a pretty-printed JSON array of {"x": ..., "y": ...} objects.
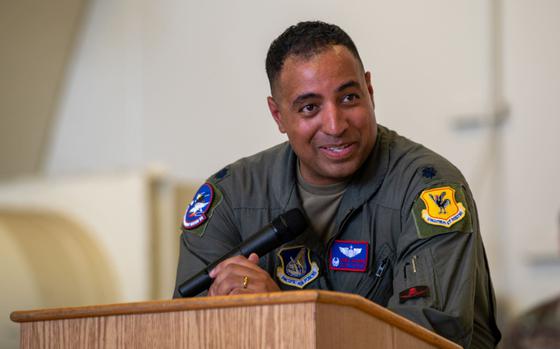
[{"x": 338, "y": 151}]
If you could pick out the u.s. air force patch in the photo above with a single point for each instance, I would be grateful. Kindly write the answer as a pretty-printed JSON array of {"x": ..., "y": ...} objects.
[
  {"x": 201, "y": 208},
  {"x": 441, "y": 210},
  {"x": 296, "y": 268}
]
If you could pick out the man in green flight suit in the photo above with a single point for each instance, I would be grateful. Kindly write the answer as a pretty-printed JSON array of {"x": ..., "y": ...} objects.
[{"x": 389, "y": 219}]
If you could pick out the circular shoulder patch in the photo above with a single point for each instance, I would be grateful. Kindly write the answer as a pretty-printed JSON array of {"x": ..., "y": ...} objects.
[{"x": 195, "y": 214}]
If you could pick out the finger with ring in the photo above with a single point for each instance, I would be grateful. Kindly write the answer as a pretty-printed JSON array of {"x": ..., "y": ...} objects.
[{"x": 245, "y": 281}]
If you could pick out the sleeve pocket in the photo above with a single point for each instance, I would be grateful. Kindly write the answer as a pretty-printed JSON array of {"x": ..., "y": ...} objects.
[{"x": 416, "y": 281}]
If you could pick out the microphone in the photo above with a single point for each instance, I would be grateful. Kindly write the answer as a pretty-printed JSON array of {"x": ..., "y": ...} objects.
[{"x": 281, "y": 230}]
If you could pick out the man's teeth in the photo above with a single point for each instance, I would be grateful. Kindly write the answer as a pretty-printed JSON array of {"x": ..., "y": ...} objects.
[{"x": 337, "y": 149}]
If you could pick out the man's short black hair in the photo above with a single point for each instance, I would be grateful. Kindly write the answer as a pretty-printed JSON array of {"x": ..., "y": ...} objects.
[{"x": 305, "y": 39}]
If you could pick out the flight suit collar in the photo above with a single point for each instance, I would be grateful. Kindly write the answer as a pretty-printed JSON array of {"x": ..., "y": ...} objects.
[
  {"x": 368, "y": 179},
  {"x": 365, "y": 183},
  {"x": 285, "y": 185},
  {"x": 362, "y": 186}
]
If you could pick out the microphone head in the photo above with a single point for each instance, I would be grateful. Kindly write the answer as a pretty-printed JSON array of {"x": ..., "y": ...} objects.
[{"x": 290, "y": 224}]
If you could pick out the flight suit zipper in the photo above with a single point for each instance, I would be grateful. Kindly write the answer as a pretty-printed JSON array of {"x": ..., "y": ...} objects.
[
  {"x": 379, "y": 273},
  {"x": 381, "y": 268},
  {"x": 378, "y": 277}
]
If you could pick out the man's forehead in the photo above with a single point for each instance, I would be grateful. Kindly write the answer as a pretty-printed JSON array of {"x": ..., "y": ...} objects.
[{"x": 307, "y": 70}]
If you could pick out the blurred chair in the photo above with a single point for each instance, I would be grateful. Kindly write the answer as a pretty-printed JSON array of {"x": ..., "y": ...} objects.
[
  {"x": 538, "y": 328},
  {"x": 48, "y": 260}
]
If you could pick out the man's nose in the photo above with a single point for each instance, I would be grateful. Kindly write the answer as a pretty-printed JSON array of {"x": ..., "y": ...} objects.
[{"x": 334, "y": 122}]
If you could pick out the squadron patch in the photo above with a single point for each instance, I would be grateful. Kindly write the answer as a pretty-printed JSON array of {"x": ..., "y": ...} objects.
[
  {"x": 348, "y": 255},
  {"x": 441, "y": 207},
  {"x": 438, "y": 209},
  {"x": 201, "y": 208},
  {"x": 296, "y": 268}
]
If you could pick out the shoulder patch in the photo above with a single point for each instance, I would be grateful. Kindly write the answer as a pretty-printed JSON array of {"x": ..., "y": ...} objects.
[
  {"x": 201, "y": 208},
  {"x": 440, "y": 210}
]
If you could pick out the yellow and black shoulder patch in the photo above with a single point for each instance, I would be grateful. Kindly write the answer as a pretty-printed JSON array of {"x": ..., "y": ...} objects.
[{"x": 440, "y": 210}]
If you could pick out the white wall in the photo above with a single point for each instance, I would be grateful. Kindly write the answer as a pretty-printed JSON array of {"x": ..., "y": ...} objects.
[
  {"x": 182, "y": 84},
  {"x": 100, "y": 121},
  {"x": 532, "y": 146}
]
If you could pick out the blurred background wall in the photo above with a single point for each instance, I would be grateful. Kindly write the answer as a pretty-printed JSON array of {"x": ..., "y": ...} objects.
[{"x": 112, "y": 112}]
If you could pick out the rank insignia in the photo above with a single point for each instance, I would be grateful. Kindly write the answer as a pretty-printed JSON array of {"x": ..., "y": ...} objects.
[
  {"x": 429, "y": 172},
  {"x": 201, "y": 207},
  {"x": 438, "y": 209},
  {"x": 348, "y": 255},
  {"x": 221, "y": 174},
  {"x": 296, "y": 268}
]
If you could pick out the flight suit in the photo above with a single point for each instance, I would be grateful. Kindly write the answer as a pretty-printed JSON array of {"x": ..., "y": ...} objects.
[{"x": 420, "y": 264}]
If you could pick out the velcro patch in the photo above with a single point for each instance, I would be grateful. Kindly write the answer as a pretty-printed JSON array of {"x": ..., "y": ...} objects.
[
  {"x": 414, "y": 292},
  {"x": 440, "y": 210},
  {"x": 296, "y": 268},
  {"x": 349, "y": 255},
  {"x": 201, "y": 208},
  {"x": 221, "y": 174}
]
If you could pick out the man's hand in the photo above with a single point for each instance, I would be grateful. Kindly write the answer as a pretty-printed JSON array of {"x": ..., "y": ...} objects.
[{"x": 229, "y": 277}]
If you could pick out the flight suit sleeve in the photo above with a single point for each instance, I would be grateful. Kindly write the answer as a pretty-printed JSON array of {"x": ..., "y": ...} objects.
[
  {"x": 205, "y": 243},
  {"x": 439, "y": 262}
]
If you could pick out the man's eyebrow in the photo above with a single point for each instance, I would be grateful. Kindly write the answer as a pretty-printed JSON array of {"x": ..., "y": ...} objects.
[
  {"x": 348, "y": 84},
  {"x": 303, "y": 97}
]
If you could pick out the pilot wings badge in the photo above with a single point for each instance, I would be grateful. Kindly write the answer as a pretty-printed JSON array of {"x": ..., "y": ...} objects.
[
  {"x": 350, "y": 252},
  {"x": 296, "y": 268}
]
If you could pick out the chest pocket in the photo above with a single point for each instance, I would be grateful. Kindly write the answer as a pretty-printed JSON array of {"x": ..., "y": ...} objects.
[{"x": 377, "y": 286}]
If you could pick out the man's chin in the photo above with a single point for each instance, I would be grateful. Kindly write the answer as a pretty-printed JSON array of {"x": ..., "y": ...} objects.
[{"x": 339, "y": 173}]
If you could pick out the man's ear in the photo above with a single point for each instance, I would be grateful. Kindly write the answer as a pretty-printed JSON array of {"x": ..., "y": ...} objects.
[
  {"x": 368, "y": 84},
  {"x": 275, "y": 112},
  {"x": 370, "y": 87}
]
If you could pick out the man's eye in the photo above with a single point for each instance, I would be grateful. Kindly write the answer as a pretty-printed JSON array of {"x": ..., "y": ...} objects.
[
  {"x": 308, "y": 108},
  {"x": 350, "y": 98}
]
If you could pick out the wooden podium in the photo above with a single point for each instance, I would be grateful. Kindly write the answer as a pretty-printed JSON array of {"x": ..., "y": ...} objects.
[{"x": 298, "y": 319}]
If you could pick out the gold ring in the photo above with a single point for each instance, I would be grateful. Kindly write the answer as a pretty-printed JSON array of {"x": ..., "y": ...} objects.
[{"x": 245, "y": 281}]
